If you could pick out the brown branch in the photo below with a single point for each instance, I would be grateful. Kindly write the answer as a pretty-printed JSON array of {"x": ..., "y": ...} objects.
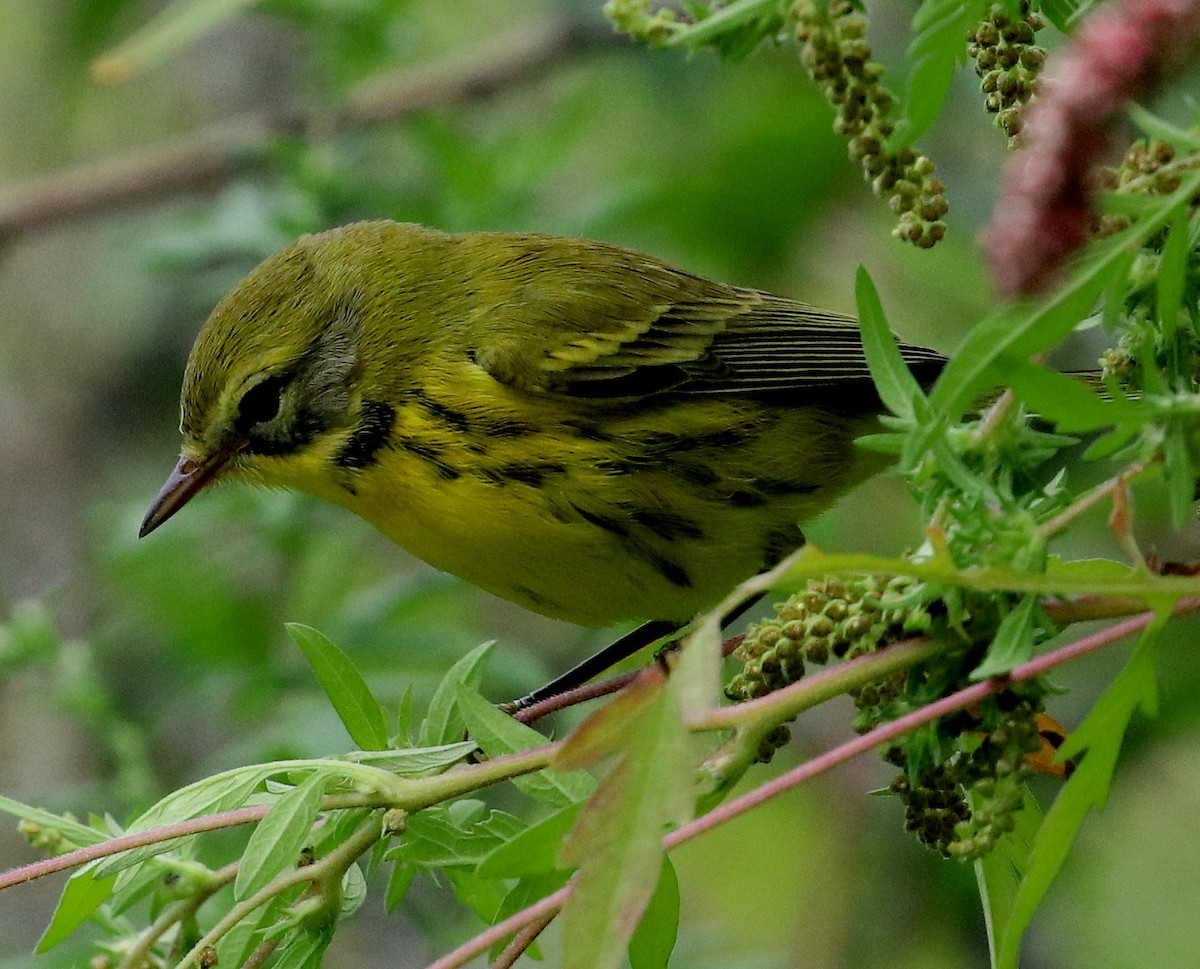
[{"x": 213, "y": 156}]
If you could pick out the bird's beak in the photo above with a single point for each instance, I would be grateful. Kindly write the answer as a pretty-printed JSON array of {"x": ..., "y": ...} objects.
[{"x": 181, "y": 486}]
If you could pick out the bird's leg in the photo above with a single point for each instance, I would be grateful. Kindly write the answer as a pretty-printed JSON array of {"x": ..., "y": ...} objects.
[
  {"x": 597, "y": 663},
  {"x": 613, "y": 653}
]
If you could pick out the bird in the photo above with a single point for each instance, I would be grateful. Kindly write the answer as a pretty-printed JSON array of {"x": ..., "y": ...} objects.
[{"x": 582, "y": 429}]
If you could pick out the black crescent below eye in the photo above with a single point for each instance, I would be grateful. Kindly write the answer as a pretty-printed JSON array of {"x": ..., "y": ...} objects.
[{"x": 261, "y": 402}]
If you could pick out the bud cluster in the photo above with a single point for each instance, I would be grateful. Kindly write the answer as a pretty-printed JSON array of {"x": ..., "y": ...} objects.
[
  {"x": 836, "y": 53},
  {"x": 1008, "y": 62},
  {"x": 963, "y": 805},
  {"x": 833, "y": 617},
  {"x": 635, "y": 18}
]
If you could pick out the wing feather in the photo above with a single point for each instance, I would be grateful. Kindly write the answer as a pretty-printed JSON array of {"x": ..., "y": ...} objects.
[{"x": 608, "y": 324}]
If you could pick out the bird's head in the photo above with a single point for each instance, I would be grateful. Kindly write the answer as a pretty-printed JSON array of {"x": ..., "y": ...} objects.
[{"x": 274, "y": 368}]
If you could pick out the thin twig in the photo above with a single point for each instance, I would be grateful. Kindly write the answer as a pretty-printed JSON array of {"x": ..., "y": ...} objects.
[
  {"x": 522, "y": 941},
  {"x": 139, "y": 955},
  {"x": 595, "y": 690},
  {"x": 213, "y": 156}
]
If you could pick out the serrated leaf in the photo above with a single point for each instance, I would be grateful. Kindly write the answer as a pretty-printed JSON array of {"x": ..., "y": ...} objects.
[
  {"x": 82, "y": 895},
  {"x": 443, "y": 724},
  {"x": 1101, "y": 735},
  {"x": 533, "y": 851},
  {"x": 360, "y": 713},
  {"x": 617, "y": 840},
  {"x": 654, "y": 940},
  {"x": 896, "y": 385},
  {"x": 275, "y": 844},
  {"x": 498, "y": 734}
]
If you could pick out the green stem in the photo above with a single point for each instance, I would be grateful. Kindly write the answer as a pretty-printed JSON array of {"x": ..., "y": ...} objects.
[{"x": 325, "y": 875}]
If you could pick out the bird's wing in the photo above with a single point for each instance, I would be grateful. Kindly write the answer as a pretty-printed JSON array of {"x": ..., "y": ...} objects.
[{"x": 679, "y": 333}]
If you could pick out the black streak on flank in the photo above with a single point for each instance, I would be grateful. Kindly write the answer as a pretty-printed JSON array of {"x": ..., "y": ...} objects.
[
  {"x": 431, "y": 454},
  {"x": 527, "y": 474},
  {"x": 457, "y": 420},
  {"x": 673, "y": 573},
  {"x": 369, "y": 437},
  {"x": 613, "y": 525},
  {"x": 668, "y": 525}
]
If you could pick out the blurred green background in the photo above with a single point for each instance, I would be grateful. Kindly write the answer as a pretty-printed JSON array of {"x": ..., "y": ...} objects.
[{"x": 130, "y": 668}]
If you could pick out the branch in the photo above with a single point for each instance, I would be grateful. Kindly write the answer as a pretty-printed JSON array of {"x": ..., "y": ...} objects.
[
  {"x": 820, "y": 765},
  {"x": 210, "y": 158}
]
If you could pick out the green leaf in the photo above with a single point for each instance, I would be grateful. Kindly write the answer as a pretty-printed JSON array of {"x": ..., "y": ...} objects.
[
  {"x": 84, "y": 892},
  {"x": 1172, "y": 276},
  {"x": 212, "y": 795},
  {"x": 895, "y": 383},
  {"x": 617, "y": 840},
  {"x": 277, "y": 839},
  {"x": 444, "y": 724},
  {"x": 533, "y": 851},
  {"x": 1178, "y": 474},
  {"x": 654, "y": 939},
  {"x": 73, "y": 831},
  {"x": 939, "y": 27},
  {"x": 1059, "y": 12},
  {"x": 1067, "y": 401},
  {"x": 1154, "y": 126},
  {"x": 462, "y": 833},
  {"x": 415, "y": 761},
  {"x": 1013, "y": 643},
  {"x": 528, "y": 891},
  {"x": 479, "y": 895},
  {"x": 1100, "y": 734},
  {"x": 238, "y": 943},
  {"x": 498, "y": 734},
  {"x": 998, "y": 874},
  {"x": 304, "y": 950},
  {"x": 1020, "y": 330},
  {"x": 361, "y": 715},
  {"x": 354, "y": 891},
  {"x": 731, "y": 17},
  {"x": 399, "y": 882}
]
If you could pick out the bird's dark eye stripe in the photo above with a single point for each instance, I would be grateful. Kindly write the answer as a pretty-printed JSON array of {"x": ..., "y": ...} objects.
[{"x": 261, "y": 402}]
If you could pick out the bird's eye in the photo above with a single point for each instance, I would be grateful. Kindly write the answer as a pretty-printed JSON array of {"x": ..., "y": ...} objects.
[{"x": 261, "y": 402}]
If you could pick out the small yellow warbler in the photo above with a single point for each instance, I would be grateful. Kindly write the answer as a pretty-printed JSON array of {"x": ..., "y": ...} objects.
[{"x": 582, "y": 429}]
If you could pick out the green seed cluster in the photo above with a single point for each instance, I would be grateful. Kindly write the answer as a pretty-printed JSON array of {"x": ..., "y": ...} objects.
[
  {"x": 962, "y": 806},
  {"x": 634, "y": 17},
  {"x": 1009, "y": 64},
  {"x": 836, "y": 617},
  {"x": 1148, "y": 168},
  {"x": 835, "y": 51}
]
